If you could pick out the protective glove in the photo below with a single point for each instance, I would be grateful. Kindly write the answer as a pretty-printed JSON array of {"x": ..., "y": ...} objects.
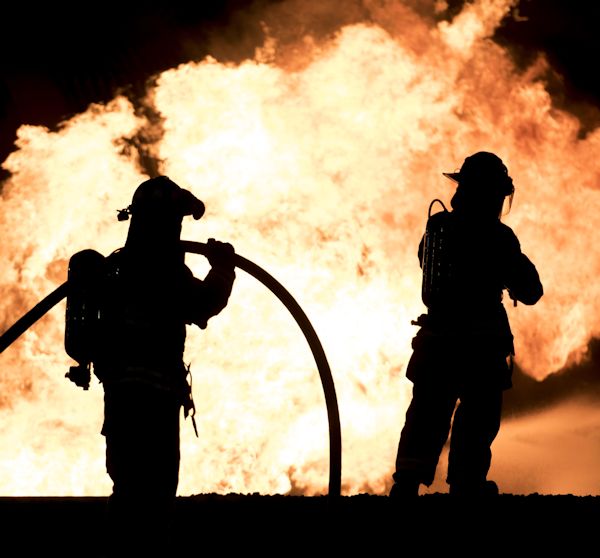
[{"x": 220, "y": 254}]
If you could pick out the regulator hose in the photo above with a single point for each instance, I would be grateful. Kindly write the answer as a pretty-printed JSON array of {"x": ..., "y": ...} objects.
[{"x": 335, "y": 436}]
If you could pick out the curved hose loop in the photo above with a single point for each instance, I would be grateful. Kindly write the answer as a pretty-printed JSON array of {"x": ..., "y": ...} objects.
[{"x": 335, "y": 437}]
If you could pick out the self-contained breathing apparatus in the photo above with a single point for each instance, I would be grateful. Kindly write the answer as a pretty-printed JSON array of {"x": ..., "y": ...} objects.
[
  {"x": 83, "y": 313},
  {"x": 435, "y": 263}
]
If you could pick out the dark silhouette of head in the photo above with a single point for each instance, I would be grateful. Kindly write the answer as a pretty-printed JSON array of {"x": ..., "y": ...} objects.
[
  {"x": 157, "y": 210},
  {"x": 483, "y": 184}
]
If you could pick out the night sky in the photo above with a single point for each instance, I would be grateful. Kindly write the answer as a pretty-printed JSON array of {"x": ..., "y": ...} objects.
[{"x": 55, "y": 61}]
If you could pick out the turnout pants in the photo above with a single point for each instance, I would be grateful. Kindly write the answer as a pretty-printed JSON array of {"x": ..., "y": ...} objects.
[
  {"x": 141, "y": 428},
  {"x": 456, "y": 393}
]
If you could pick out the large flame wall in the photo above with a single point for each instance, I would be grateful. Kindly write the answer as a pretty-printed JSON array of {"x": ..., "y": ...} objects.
[{"x": 321, "y": 172}]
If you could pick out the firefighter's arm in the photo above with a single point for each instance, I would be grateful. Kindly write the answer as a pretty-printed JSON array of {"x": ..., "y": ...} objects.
[
  {"x": 521, "y": 277},
  {"x": 210, "y": 296}
]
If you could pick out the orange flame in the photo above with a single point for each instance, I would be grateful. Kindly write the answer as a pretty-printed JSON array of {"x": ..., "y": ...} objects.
[{"x": 322, "y": 174}]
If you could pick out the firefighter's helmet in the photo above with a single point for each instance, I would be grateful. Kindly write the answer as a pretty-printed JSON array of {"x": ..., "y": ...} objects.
[
  {"x": 484, "y": 167},
  {"x": 161, "y": 195}
]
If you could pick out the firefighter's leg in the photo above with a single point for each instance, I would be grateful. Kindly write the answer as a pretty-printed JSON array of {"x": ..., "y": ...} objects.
[
  {"x": 423, "y": 437},
  {"x": 142, "y": 457},
  {"x": 476, "y": 424}
]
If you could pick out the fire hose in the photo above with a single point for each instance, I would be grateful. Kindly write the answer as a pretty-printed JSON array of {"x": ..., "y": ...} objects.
[{"x": 335, "y": 438}]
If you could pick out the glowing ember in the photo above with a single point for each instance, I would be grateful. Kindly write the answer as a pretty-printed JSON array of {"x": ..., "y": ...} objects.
[{"x": 322, "y": 175}]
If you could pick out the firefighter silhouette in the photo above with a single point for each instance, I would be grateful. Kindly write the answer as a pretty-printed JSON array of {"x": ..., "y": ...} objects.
[
  {"x": 146, "y": 298},
  {"x": 462, "y": 353}
]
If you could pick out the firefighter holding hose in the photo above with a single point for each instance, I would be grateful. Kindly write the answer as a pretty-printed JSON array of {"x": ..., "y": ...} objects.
[
  {"x": 147, "y": 296},
  {"x": 464, "y": 348}
]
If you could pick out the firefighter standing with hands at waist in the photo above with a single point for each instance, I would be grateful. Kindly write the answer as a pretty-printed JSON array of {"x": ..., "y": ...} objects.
[
  {"x": 463, "y": 350},
  {"x": 148, "y": 297}
]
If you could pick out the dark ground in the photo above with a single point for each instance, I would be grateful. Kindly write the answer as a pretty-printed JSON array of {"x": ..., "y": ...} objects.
[{"x": 281, "y": 525}]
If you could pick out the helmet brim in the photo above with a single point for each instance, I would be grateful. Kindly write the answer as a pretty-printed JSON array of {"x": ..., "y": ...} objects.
[{"x": 454, "y": 176}]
